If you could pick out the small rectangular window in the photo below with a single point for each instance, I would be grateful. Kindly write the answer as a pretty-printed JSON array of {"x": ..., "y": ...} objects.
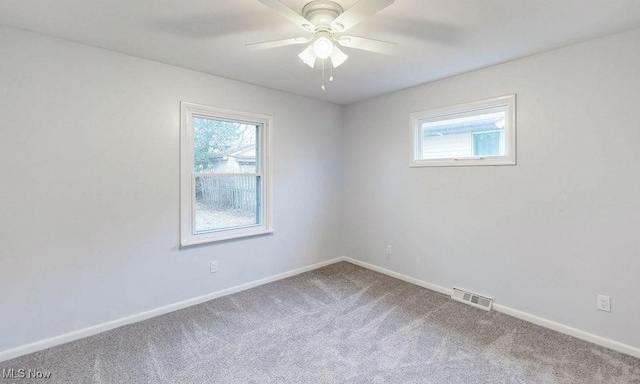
[
  {"x": 479, "y": 133},
  {"x": 225, "y": 188}
]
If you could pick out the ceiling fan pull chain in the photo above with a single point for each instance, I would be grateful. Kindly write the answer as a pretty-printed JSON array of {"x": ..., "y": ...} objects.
[
  {"x": 331, "y": 77},
  {"x": 323, "y": 87}
]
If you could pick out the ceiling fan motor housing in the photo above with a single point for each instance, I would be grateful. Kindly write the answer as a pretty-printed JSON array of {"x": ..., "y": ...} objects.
[{"x": 322, "y": 13}]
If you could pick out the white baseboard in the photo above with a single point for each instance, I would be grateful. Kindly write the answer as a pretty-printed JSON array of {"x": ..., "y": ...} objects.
[
  {"x": 567, "y": 330},
  {"x": 94, "y": 330},
  {"x": 90, "y": 331},
  {"x": 400, "y": 276}
]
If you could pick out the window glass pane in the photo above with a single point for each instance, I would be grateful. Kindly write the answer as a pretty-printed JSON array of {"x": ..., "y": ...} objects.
[
  {"x": 487, "y": 143},
  {"x": 225, "y": 202},
  {"x": 449, "y": 138},
  {"x": 224, "y": 146}
]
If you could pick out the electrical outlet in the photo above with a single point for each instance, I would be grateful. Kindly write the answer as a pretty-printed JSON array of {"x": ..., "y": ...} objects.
[
  {"x": 604, "y": 303},
  {"x": 389, "y": 250},
  {"x": 213, "y": 267}
]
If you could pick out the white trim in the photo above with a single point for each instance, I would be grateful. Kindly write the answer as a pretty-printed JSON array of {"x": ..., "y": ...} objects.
[
  {"x": 96, "y": 329},
  {"x": 213, "y": 174},
  {"x": 250, "y": 231},
  {"x": 103, "y": 327},
  {"x": 567, "y": 330},
  {"x": 400, "y": 276},
  {"x": 507, "y": 103}
]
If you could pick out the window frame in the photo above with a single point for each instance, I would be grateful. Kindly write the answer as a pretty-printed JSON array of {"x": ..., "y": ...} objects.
[
  {"x": 503, "y": 103},
  {"x": 188, "y": 235}
]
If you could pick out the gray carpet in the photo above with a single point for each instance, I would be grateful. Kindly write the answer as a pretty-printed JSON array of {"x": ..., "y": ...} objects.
[{"x": 338, "y": 324}]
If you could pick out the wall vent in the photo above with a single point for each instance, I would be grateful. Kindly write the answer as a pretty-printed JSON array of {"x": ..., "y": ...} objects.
[{"x": 471, "y": 298}]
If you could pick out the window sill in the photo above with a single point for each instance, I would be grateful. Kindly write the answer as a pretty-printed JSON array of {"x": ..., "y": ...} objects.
[
  {"x": 464, "y": 162},
  {"x": 221, "y": 236}
]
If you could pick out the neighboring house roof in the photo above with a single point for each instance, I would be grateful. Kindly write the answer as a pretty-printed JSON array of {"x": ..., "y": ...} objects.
[{"x": 247, "y": 152}]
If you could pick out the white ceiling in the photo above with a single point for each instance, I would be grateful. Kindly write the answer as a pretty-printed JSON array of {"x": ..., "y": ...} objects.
[{"x": 438, "y": 38}]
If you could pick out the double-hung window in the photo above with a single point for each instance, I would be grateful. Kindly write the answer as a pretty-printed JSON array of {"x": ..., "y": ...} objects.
[
  {"x": 478, "y": 133},
  {"x": 224, "y": 171}
]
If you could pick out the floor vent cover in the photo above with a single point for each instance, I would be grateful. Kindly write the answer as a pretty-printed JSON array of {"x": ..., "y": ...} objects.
[{"x": 472, "y": 299}]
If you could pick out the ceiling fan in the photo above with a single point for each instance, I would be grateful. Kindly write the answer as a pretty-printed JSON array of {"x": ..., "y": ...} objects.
[{"x": 325, "y": 20}]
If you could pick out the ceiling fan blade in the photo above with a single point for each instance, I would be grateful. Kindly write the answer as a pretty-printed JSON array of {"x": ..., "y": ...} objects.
[
  {"x": 289, "y": 13},
  {"x": 277, "y": 43},
  {"x": 371, "y": 45},
  {"x": 358, "y": 12}
]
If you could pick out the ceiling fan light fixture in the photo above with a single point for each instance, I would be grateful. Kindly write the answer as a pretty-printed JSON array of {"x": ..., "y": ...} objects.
[
  {"x": 308, "y": 56},
  {"x": 338, "y": 57},
  {"x": 323, "y": 47}
]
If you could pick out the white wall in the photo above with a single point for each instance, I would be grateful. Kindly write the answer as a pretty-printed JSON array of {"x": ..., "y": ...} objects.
[
  {"x": 89, "y": 186},
  {"x": 544, "y": 236}
]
